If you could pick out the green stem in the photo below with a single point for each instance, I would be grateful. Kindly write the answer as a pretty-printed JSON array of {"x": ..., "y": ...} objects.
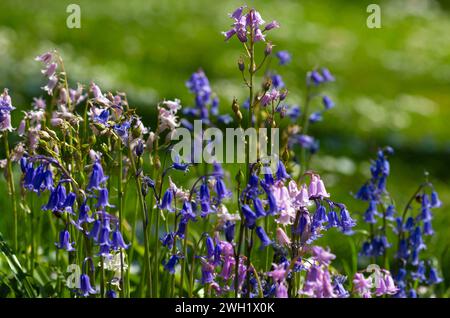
[
  {"x": 12, "y": 191},
  {"x": 144, "y": 225}
]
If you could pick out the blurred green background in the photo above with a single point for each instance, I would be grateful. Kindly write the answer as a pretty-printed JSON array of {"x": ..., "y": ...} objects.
[{"x": 392, "y": 83}]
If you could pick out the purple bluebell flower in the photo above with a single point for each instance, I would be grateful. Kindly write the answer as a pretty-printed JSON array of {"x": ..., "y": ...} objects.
[
  {"x": 178, "y": 165},
  {"x": 229, "y": 231},
  {"x": 83, "y": 214},
  {"x": 209, "y": 246},
  {"x": 327, "y": 76},
  {"x": 435, "y": 202},
  {"x": 327, "y": 102},
  {"x": 122, "y": 131},
  {"x": 258, "y": 206},
  {"x": 207, "y": 273},
  {"x": 97, "y": 176},
  {"x": 419, "y": 274},
  {"x": 338, "y": 286},
  {"x": 271, "y": 25},
  {"x": 181, "y": 228},
  {"x": 315, "y": 117},
  {"x": 284, "y": 57},
  {"x": 171, "y": 263},
  {"x": 102, "y": 199},
  {"x": 346, "y": 223},
  {"x": 428, "y": 228},
  {"x": 433, "y": 277},
  {"x": 277, "y": 81},
  {"x": 166, "y": 202},
  {"x": 111, "y": 294},
  {"x": 249, "y": 215},
  {"x": 103, "y": 117},
  {"x": 117, "y": 241},
  {"x": 316, "y": 77},
  {"x": 167, "y": 240},
  {"x": 64, "y": 241},
  {"x": 95, "y": 231},
  {"x": 85, "y": 286},
  {"x": 281, "y": 171},
  {"x": 265, "y": 240},
  {"x": 371, "y": 212}
]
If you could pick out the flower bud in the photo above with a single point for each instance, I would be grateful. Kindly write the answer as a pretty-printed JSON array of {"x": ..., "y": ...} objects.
[
  {"x": 283, "y": 94},
  {"x": 267, "y": 83},
  {"x": 241, "y": 64},
  {"x": 268, "y": 49}
]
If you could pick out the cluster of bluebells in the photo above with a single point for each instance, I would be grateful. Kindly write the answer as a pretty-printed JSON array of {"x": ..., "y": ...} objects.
[
  {"x": 409, "y": 227},
  {"x": 249, "y": 26},
  {"x": 206, "y": 102}
]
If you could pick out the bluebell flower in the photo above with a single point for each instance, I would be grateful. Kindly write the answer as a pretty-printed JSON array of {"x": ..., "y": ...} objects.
[
  {"x": 416, "y": 239},
  {"x": 435, "y": 202},
  {"x": 419, "y": 274},
  {"x": 205, "y": 208},
  {"x": 187, "y": 211},
  {"x": 265, "y": 240},
  {"x": 171, "y": 263},
  {"x": 181, "y": 228},
  {"x": 293, "y": 112},
  {"x": 403, "y": 250},
  {"x": 327, "y": 102},
  {"x": 277, "y": 81},
  {"x": 338, "y": 286},
  {"x": 56, "y": 199},
  {"x": 346, "y": 223},
  {"x": 97, "y": 176},
  {"x": 259, "y": 209},
  {"x": 321, "y": 215},
  {"x": 204, "y": 192},
  {"x": 327, "y": 76},
  {"x": 390, "y": 213},
  {"x": 95, "y": 231},
  {"x": 111, "y": 294},
  {"x": 332, "y": 219},
  {"x": 315, "y": 77},
  {"x": 215, "y": 106},
  {"x": 64, "y": 241},
  {"x": 249, "y": 216},
  {"x": 369, "y": 215},
  {"x": 122, "y": 131},
  {"x": 225, "y": 119},
  {"x": 85, "y": 286},
  {"x": 168, "y": 240},
  {"x": 103, "y": 117},
  {"x": 221, "y": 189},
  {"x": 102, "y": 199},
  {"x": 367, "y": 249},
  {"x": 268, "y": 177},
  {"x": 68, "y": 203},
  {"x": 209, "y": 246},
  {"x": 229, "y": 231},
  {"x": 315, "y": 117},
  {"x": 281, "y": 171},
  {"x": 83, "y": 214},
  {"x": 409, "y": 224},
  {"x": 216, "y": 254},
  {"x": 412, "y": 293},
  {"x": 284, "y": 57},
  {"x": 433, "y": 277},
  {"x": 178, "y": 165},
  {"x": 207, "y": 273},
  {"x": 166, "y": 202},
  {"x": 427, "y": 228},
  {"x": 117, "y": 241}
]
